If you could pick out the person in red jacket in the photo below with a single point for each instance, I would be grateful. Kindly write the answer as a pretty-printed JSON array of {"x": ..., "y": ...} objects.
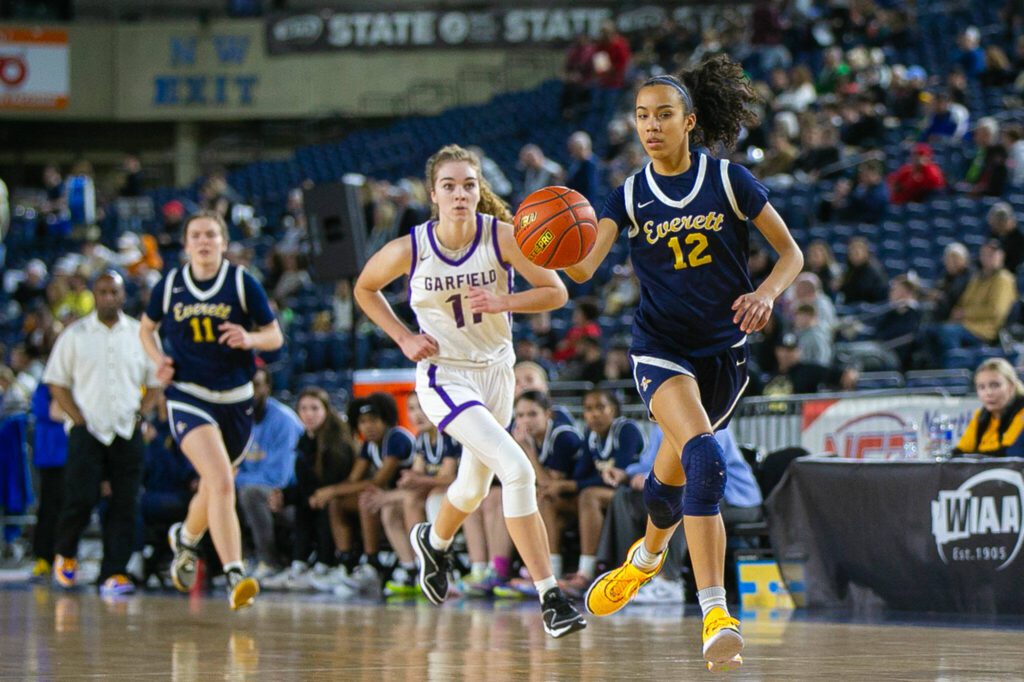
[
  {"x": 915, "y": 180},
  {"x": 611, "y": 58}
]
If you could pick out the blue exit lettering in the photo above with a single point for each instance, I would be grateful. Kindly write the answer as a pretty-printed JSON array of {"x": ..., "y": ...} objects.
[
  {"x": 229, "y": 49},
  {"x": 216, "y": 90}
]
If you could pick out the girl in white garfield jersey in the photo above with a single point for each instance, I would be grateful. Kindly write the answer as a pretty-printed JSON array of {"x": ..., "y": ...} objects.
[{"x": 460, "y": 269}]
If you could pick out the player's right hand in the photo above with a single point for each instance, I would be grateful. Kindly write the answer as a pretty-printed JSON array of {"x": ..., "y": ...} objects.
[
  {"x": 419, "y": 347},
  {"x": 165, "y": 371}
]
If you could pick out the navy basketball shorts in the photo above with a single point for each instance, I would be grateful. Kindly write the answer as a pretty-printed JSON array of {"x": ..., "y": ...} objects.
[
  {"x": 721, "y": 379},
  {"x": 186, "y": 412}
]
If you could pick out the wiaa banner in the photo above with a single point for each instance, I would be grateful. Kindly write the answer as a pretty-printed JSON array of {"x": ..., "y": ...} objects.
[
  {"x": 914, "y": 536},
  {"x": 327, "y": 30}
]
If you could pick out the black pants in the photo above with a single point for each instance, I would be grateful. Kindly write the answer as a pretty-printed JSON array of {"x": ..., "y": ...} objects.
[
  {"x": 90, "y": 462},
  {"x": 312, "y": 526},
  {"x": 51, "y": 494}
]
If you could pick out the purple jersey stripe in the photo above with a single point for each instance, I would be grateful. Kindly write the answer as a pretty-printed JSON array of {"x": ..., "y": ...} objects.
[
  {"x": 497, "y": 246},
  {"x": 476, "y": 240}
]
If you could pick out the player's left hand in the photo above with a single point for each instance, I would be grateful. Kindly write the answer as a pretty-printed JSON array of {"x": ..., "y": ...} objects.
[
  {"x": 234, "y": 336},
  {"x": 483, "y": 301},
  {"x": 753, "y": 311}
]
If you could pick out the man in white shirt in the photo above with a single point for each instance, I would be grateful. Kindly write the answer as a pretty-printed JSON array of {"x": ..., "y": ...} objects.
[{"x": 96, "y": 373}]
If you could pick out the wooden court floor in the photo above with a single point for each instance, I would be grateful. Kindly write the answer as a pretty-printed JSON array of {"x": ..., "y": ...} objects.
[{"x": 49, "y": 635}]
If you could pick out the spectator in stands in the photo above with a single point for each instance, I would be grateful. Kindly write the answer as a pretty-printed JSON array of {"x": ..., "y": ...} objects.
[
  {"x": 292, "y": 278},
  {"x": 577, "y": 77},
  {"x": 987, "y": 173},
  {"x": 611, "y": 57},
  {"x": 916, "y": 180},
  {"x": 863, "y": 280},
  {"x": 268, "y": 468},
  {"x": 794, "y": 376},
  {"x": 807, "y": 290},
  {"x": 904, "y": 94},
  {"x": 821, "y": 262},
  {"x": 104, "y": 400},
  {"x": 898, "y": 326},
  {"x": 866, "y": 201},
  {"x": 543, "y": 333},
  {"x": 1002, "y": 226},
  {"x": 970, "y": 57},
  {"x": 947, "y": 119},
  {"x": 998, "y": 71},
  {"x": 821, "y": 152},
  {"x": 622, "y": 291},
  {"x": 797, "y": 93},
  {"x": 49, "y": 455},
  {"x": 834, "y": 73},
  {"x": 617, "y": 366},
  {"x": 584, "y": 323},
  {"x": 172, "y": 216},
  {"x": 982, "y": 309},
  {"x": 582, "y": 174},
  {"x": 814, "y": 339},
  {"x": 996, "y": 428},
  {"x": 31, "y": 291},
  {"x": 760, "y": 262},
  {"x": 553, "y": 450},
  {"x": 538, "y": 170},
  {"x": 957, "y": 272},
  {"x": 611, "y": 444},
  {"x": 324, "y": 459},
  {"x": 132, "y": 184},
  {"x": 779, "y": 159},
  {"x": 342, "y": 307},
  {"x": 493, "y": 174},
  {"x": 587, "y": 364},
  {"x": 767, "y": 36},
  {"x": 1013, "y": 140},
  {"x": 863, "y": 127}
]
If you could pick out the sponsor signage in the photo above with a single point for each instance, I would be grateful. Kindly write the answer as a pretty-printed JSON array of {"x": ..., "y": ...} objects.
[
  {"x": 438, "y": 27},
  {"x": 979, "y": 521},
  {"x": 34, "y": 70}
]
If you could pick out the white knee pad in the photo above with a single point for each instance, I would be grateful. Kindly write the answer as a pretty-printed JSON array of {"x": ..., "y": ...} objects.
[
  {"x": 467, "y": 492},
  {"x": 518, "y": 481}
]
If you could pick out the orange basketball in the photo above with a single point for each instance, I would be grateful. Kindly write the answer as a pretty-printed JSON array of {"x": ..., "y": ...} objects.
[{"x": 555, "y": 227}]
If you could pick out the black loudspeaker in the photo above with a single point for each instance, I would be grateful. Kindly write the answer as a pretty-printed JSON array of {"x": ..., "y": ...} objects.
[{"x": 337, "y": 230}]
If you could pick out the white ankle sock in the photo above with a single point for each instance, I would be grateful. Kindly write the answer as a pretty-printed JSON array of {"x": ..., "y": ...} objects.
[
  {"x": 188, "y": 538},
  {"x": 556, "y": 565},
  {"x": 646, "y": 560},
  {"x": 437, "y": 542},
  {"x": 710, "y": 597},
  {"x": 588, "y": 565},
  {"x": 234, "y": 566},
  {"x": 543, "y": 586},
  {"x": 478, "y": 567}
]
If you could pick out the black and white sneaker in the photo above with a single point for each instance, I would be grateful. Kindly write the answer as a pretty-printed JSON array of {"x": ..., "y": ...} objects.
[
  {"x": 434, "y": 564},
  {"x": 559, "y": 615},
  {"x": 183, "y": 565}
]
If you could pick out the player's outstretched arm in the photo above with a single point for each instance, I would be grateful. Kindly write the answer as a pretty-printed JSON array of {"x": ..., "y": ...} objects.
[
  {"x": 754, "y": 309},
  {"x": 383, "y": 268},
  {"x": 547, "y": 292},
  {"x": 607, "y": 233}
]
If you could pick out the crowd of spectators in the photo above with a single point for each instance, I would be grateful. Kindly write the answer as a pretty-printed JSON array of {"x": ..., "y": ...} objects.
[{"x": 835, "y": 92}]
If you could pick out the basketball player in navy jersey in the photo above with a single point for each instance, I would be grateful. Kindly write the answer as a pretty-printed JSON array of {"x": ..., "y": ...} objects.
[
  {"x": 211, "y": 316},
  {"x": 686, "y": 213},
  {"x": 460, "y": 269}
]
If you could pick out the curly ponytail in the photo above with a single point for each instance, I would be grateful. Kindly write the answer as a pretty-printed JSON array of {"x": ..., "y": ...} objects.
[
  {"x": 490, "y": 202},
  {"x": 722, "y": 100}
]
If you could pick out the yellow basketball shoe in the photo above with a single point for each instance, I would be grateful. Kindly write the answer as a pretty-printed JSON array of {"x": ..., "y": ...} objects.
[
  {"x": 722, "y": 641},
  {"x": 616, "y": 588},
  {"x": 242, "y": 589}
]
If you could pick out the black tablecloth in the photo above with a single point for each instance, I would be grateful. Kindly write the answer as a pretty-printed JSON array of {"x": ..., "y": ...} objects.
[{"x": 920, "y": 536}]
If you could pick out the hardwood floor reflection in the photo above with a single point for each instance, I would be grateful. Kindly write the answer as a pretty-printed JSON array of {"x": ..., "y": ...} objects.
[{"x": 45, "y": 635}]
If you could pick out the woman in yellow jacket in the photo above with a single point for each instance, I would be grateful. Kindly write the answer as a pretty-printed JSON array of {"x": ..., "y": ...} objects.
[{"x": 995, "y": 429}]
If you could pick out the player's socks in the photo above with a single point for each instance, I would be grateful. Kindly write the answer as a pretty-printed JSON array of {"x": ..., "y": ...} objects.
[
  {"x": 502, "y": 566},
  {"x": 646, "y": 560},
  {"x": 588, "y": 565},
  {"x": 544, "y": 585},
  {"x": 710, "y": 597},
  {"x": 437, "y": 542},
  {"x": 234, "y": 566},
  {"x": 188, "y": 538},
  {"x": 556, "y": 565}
]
